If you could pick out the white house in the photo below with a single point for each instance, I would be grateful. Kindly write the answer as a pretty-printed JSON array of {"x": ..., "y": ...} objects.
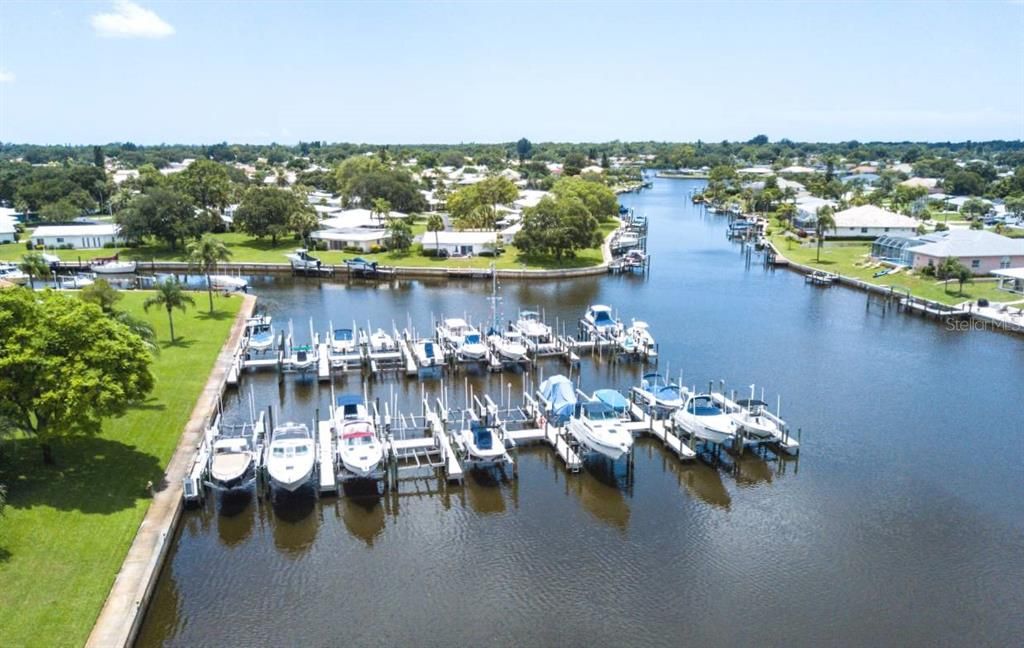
[
  {"x": 76, "y": 236},
  {"x": 807, "y": 210},
  {"x": 460, "y": 243},
  {"x": 868, "y": 221},
  {"x": 358, "y": 237},
  {"x": 7, "y": 230}
]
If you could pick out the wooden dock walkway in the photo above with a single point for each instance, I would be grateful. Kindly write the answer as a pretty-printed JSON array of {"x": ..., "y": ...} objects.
[
  {"x": 325, "y": 458},
  {"x": 659, "y": 429}
]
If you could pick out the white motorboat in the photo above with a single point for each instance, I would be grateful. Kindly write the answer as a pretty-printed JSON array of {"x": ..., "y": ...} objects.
[
  {"x": 75, "y": 282},
  {"x": 755, "y": 420},
  {"x": 9, "y": 272},
  {"x": 303, "y": 358},
  {"x": 259, "y": 333},
  {"x": 291, "y": 456},
  {"x": 509, "y": 345},
  {"x": 599, "y": 318},
  {"x": 343, "y": 342},
  {"x": 482, "y": 443},
  {"x": 382, "y": 342},
  {"x": 301, "y": 259},
  {"x": 428, "y": 354},
  {"x": 638, "y": 337},
  {"x": 598, "y": 427},
  {"x": 533, "y": 327},
  {"x": 232, "y": 462},
  {"x": 228, "y": 283},
  {"x": 463, "y": 338},
  {"x": 113, "y": 266},
  {"x": 702, "y": 418},
  {"x": 659, "y": 393},
  {"x": 359, "y": 449}
]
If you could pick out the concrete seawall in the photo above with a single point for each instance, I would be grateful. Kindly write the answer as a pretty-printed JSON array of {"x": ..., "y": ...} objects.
[{"x": 122, "y": 613}]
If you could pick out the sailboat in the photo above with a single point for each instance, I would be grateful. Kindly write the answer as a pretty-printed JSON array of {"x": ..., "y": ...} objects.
[
  {"x": 291, "y": 456},
  {"x": 359, "y": 448}
]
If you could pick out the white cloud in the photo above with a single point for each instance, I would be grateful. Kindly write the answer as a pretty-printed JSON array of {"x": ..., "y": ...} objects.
[
  {"x": 6, "y": 76},
  {"x": 129, "y": 20}
]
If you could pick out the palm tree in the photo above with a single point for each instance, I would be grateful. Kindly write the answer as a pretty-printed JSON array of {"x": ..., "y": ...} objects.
[
  {"x": 785, "y": 212},
  {"x": 169, "y": 295},
  {"x": 381, "y": 207},
  {"x": 825, "y": 221},
  {"x": 435, "y": 224},
  {"x": 34, "y": 265},
  {"x": 204, "y": 255}
]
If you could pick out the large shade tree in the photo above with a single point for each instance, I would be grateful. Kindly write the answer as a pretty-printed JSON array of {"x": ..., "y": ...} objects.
[
  {"x": 265, "y": 211},
  {"x": 65, "y": 366}
]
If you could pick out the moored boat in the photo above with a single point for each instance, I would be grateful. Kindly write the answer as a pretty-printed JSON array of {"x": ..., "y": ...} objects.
[
  {"x": 702, "y": 418},
  {"x": 598, "y": 427},
  {"x": 659, "y": 393},
  {"x": 291, "y": 456},
  {"x": 360, "y": 450}
]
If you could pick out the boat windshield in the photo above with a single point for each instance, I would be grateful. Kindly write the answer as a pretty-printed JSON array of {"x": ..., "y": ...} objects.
[
  {"x": 473, "y": 338},
  {"x": 704, "y": 406},
  {"x": 602, "y": 317},
  {"x": 290, "y": 451},
  {"x": 529, "y": 316},
  {"x": 597, "y": 411},
  {"x": 361, "y": 439},
  {"x": 343, "y": 335}
]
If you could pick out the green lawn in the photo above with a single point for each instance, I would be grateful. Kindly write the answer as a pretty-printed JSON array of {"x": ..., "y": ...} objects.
[
  {"x": 247, "y": 249},
  {"x": 67, "y": 528},
  {"x": 853, "y": 260}
]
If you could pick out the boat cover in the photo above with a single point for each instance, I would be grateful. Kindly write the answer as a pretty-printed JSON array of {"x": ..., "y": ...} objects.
[
  {"x": 559, "y": 393},
  {"x": 482, "y": 437},
  {"x": 612, "y": 399}
]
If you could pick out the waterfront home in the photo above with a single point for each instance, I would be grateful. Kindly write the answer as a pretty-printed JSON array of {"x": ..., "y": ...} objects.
[
  {"x": 361, "y": 238},
  {"x": 8, "y": 225},
  {"x": 353, "y": 218},
  {"x": 77, "y": 236},
  {"x": 869, "y": 221},
  {"x": 471, "y": 243},
  {"x": 980, "y": 250},
  {"x": 807, "y": 210}
]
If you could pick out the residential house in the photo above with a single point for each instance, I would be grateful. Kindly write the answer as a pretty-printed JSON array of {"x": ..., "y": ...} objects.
[
  {"x": 78, "y": 236},
  {"x": 869, "y": 221},
  {"x": 807, "y": 210},
  {"x": 467, "y": 243},
  {"x": 980, "y": 250}
]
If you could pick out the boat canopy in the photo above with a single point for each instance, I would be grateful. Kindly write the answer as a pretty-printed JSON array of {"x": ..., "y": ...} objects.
[
  {"x": 596, "y": 410},
  {"x": 529, "y": 315},
  {"x": 703, "y": 406},
  {"x": 482, "y": 437},
  {"x": 748, "y": 403},
  {"x": 343, "y": 334},
  {"x": 356, "y": 430},
  {"x": 612, "y": 399},
  {"x": 559, "y": 393}
]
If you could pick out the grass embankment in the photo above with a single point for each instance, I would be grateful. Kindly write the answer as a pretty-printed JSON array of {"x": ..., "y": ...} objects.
[
  {"x": 245, "y": 249},
  {"x": 67, "y": 528},
  {"x": 852, "y": 259}
]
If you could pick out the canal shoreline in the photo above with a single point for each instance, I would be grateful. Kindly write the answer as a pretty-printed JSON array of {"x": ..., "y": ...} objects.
[
  {"x": 919, "y": 305},
  {"x": 124, "y": 608}
]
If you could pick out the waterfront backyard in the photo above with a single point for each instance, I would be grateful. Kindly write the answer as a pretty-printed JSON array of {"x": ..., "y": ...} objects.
[
  {"x": 248, "y": 249},
  {"x": 67, "y": 528},
  {"x": 852, "y": 259}
]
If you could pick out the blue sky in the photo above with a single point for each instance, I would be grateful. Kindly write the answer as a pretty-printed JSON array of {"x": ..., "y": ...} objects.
[{"x": 414, "y": 72}]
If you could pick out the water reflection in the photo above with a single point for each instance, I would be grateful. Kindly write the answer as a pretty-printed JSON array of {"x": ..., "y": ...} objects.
[
  {"x": 293, "y": 521},
  {"x": 235, "y": 515},
  {"x": 362, "y": 512},
  {"x": 600, "y": 489},
  {"x": 699, "y": 480}
]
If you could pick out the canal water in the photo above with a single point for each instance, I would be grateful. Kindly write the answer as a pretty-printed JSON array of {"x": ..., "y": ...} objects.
[{"x": 902, "y": 522}]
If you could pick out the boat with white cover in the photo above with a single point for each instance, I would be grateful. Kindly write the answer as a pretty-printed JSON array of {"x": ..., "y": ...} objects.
[
  {"x": 232, "y": 461},
  {"x": 113, "y": 266},
  {"x": 291, "y": 456}
]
